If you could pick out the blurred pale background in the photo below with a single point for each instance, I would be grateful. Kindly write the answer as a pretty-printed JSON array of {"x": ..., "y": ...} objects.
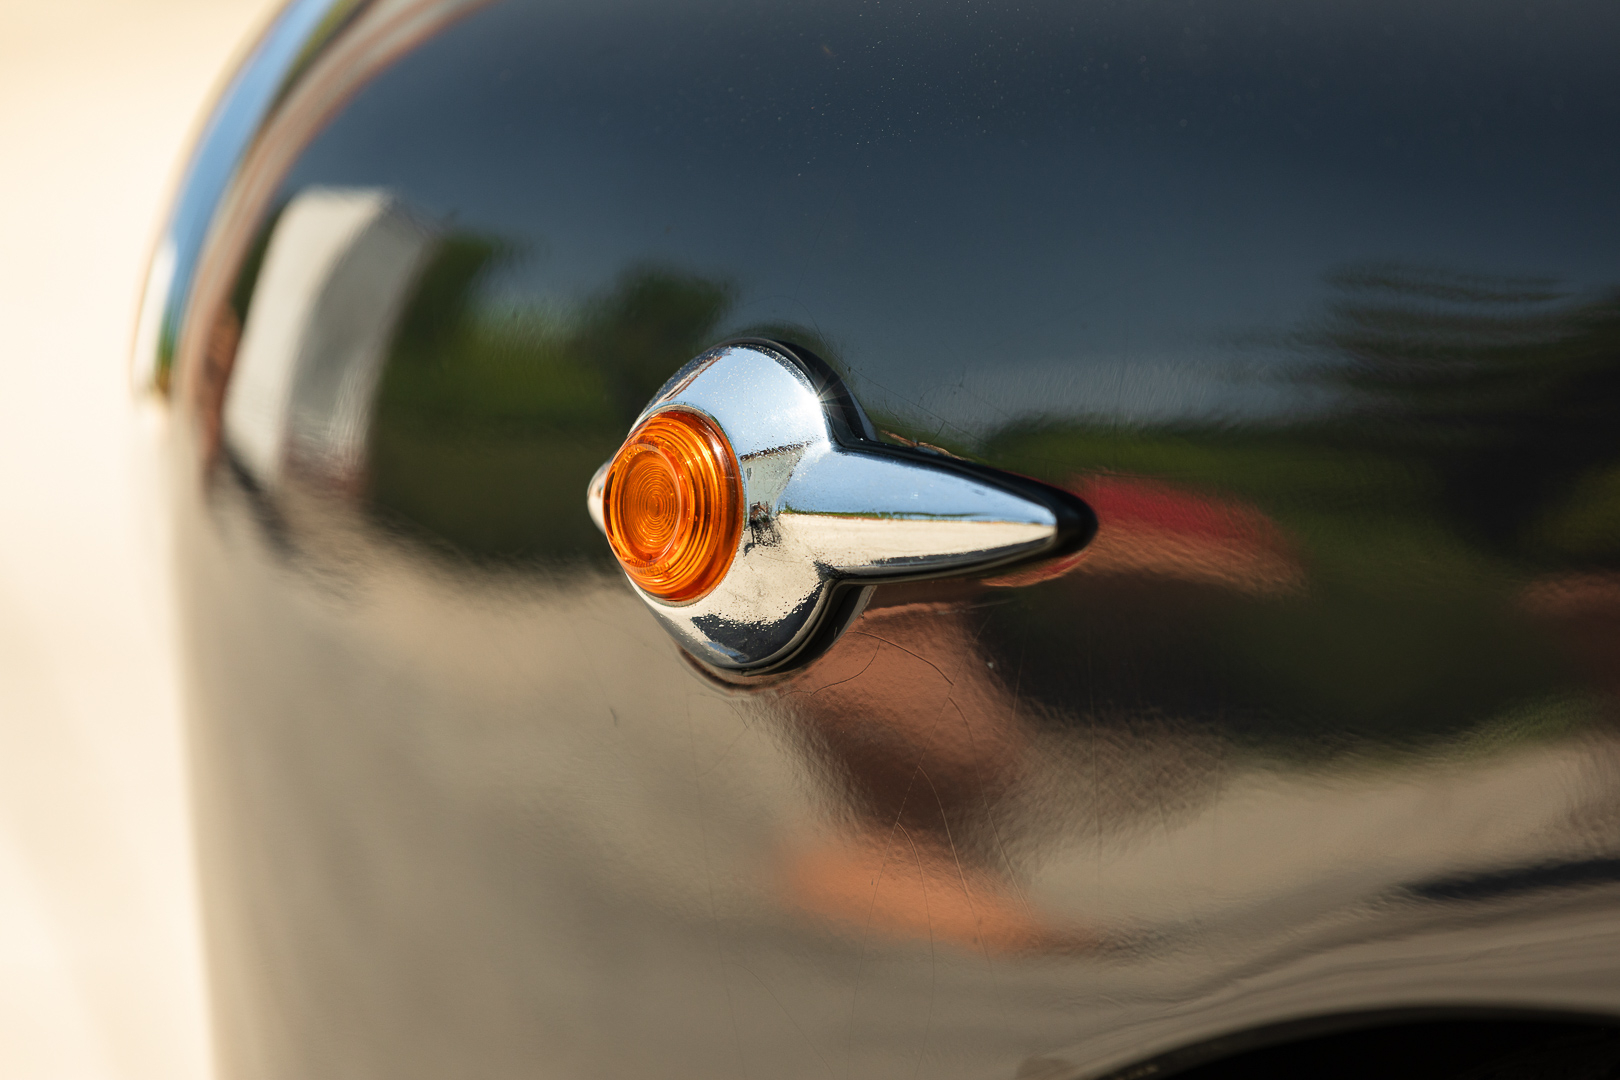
[{"x": 100, "y": 975}]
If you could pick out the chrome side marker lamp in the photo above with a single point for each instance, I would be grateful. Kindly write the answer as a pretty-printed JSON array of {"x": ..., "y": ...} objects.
[{"x": 753, "y": 508}]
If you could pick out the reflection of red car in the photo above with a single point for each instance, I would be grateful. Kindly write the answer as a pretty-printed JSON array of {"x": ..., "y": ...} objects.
[
  {"x": 1157, "y": 530},
  {"x": 1033, "y": 540}
]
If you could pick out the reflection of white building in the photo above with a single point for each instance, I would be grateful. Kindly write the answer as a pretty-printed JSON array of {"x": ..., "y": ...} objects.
[{"x": 338, "y": 270}]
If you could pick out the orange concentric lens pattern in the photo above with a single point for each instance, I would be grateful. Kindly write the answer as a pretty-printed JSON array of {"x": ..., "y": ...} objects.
[{"x": 672, "y": 505}]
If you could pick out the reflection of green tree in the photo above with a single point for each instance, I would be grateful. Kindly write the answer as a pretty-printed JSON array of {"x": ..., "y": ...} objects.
[
  {"x": 1475, "y": 445},
  {"x": 488, "y": 426},
  {"x": 1508, "y": 391}
]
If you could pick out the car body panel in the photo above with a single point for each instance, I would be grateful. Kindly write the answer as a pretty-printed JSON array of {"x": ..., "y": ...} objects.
[{"x": 1313, "y": 304}]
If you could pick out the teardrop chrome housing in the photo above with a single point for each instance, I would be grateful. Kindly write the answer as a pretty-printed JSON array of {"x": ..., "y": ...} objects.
[{"x": 829, "y": 511}]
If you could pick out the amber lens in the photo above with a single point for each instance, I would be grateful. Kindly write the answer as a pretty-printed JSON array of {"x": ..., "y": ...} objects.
[{"x": 672, "y": 505}]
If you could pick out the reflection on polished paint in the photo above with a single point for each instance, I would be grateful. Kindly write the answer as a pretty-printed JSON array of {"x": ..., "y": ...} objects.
[
  {"x": 490, "y": 423},
  {"x": 926, "y": 747},
  {"x": 1415, "y": 572},
  {"x": 1406, "y": 525},
  {"x": 326, "y": 297},
  {"x": 1362, "y": 584},
  {"x": 1159, "y": 530}
]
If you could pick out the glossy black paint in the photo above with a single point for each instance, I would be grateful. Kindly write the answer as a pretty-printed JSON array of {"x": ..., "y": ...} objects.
[
  {"x": 1450, "y": 1048},
  {"x": 1316, "y": 304}
]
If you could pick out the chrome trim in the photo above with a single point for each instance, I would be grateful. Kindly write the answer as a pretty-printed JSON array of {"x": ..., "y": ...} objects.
[
  {"x": 830, "y": 508},
  {"x": 284, "y": 49}
]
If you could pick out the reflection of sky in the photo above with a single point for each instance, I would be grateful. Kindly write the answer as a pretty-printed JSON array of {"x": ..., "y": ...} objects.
[{"x": 1061, "y": 208}]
